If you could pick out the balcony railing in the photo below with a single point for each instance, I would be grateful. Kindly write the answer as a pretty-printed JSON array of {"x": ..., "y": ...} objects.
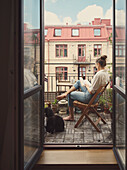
[
  {"x": 83, "y": 60},
  {"x": 56, "y": 86}
]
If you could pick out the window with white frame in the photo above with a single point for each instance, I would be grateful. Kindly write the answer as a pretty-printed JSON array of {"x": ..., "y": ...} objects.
[
  {"x": 61, "y": 73},
  {"x": 75, "y": 32},
  {"x": 82, "y": 72},
  {"x": 97, "y": 32},
  {"x": 120, "y": 50},
  {"x": 81, "y": 50},
  {"x": 58, "y": 32},
  {"x": 61, "y": 50},
  {"x": 97, "y": 50}
]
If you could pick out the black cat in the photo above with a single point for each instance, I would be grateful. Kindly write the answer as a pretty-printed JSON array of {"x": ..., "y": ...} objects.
[{"x": 55, "y": 123}]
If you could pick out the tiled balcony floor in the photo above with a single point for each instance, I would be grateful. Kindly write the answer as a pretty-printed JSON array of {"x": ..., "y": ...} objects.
[{"x": 84, "y": 134}]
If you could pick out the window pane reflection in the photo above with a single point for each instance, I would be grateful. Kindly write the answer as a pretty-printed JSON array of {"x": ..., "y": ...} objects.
[
  {"x": 120, "y": 43},
  {"x": 120, "y": 127},
  {"x": 31, "y": 126},
  {"x": 31, "y": 43}
]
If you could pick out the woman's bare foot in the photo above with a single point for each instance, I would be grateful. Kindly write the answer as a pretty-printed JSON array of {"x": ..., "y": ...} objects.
[
  {"x": 60, "y": 97},
  {"x": 68, "y": 118}
]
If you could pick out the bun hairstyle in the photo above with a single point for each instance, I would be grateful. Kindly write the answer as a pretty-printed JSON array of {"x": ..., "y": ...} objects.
[{"x": 102, "y": 60}]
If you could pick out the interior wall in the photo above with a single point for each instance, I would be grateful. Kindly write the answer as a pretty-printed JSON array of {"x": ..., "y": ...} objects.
[{"x": 7, "y": 85}]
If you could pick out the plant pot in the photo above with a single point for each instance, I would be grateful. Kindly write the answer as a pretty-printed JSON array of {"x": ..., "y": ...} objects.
[{"x": 55, "y": 108}]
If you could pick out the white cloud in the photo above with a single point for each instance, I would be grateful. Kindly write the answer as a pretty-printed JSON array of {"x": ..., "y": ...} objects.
[
  {"x": 120, "y": 17},
  {"x": 108, "y": 14},
  {"x": 51, "y": 19},
  {"x": 84, "y": 17},
  {"x": 89, "y": 13},
  {"x": 67, "y": 20}
]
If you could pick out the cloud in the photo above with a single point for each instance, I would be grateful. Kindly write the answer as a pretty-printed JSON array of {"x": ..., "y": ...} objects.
[
  {"x": 120, "y": 17},
  {"x": 108, "y": 14},
  {"x": 89, "y": 13},
  {"x": 51, "y": 19},
  {"x": 83, "y": 17},
  {"x": 67, "y": 20}
]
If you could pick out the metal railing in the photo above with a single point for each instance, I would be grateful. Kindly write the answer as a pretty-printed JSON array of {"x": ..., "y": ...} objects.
[{"x": 56, "y": 86}]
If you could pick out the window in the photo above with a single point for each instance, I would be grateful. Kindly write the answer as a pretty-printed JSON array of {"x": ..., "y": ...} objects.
[
  {"x": 97, "y": 50},
  {"x": 81, "y": 53},
  {"x": 61, "y": 50},
  {"x": 94, "y": 70},
  {"x": 97, "y": 32},
  {"x": 81, "y": 50},
  {"x": 46, "y": 31},
  {"x": 120, "y": 51},
  {"x": 82, "y": 72},
  {"x": 61, "y": 73},
  {"x": 75, "y": 32},
  {"x": 57, "y": 32}
]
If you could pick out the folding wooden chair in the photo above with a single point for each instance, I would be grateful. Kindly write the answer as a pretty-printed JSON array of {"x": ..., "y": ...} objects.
[{"x": 86, "y": 108}]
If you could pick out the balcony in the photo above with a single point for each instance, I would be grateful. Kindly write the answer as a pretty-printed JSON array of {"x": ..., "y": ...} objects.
[
  {"x": 83, "y": 60},
  {"x": 85, "y": 133}
]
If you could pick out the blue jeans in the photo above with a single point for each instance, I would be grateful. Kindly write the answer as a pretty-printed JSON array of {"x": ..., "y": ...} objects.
[{"x": 82, "y": 96}]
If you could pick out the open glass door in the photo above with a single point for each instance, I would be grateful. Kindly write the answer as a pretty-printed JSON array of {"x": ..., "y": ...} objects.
[
  {"x": 120, "y": 81},
  {"x": 33, "y": 76}
]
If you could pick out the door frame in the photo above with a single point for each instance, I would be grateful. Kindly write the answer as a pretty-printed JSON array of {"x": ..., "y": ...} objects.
[
  {"x": 118, "y": 90},
  {"x": 34, "y": 90}
]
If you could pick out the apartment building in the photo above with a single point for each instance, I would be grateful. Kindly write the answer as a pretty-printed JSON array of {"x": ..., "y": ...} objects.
[{"x": 71, "y": 50}]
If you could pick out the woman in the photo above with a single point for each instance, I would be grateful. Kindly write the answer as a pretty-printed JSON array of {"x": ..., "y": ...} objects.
[{"x": 87, "y": 89}]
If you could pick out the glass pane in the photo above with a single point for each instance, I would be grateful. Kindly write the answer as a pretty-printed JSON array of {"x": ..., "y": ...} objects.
[
  {"x": 57, "y": 52},
  {"x": 120, "y": 127},
  {"x": 75, "y": 32},
  {"x": 97, "y": 32},
  {"x": 99, "y": 51},
  {"x": 65, "y": 75},
  {"x": 65, "y": 52},
  {"x": 99, "y": 46},
  {"x": 79, "y": 52},
  {"x": 95, "y": 52},
  {"x": 120, "y": 42},
  {"x": 61, "y": 52},
  {"x": 57, "y": 32},
  {"x": 31, "y": 43},
  {"x": 46, "y": 31},
  {"x": 31, "y": 126},
  {"x": 116, "y": 52},
  {"x": 83, "y": 52},
  {"x": 65, "y": 68}
]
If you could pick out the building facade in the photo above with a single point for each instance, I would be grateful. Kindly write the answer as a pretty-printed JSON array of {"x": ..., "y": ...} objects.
[{"x": 71, "y": 51}]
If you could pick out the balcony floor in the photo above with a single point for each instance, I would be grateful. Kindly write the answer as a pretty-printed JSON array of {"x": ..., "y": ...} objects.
[{"x": 84, "y": 134}]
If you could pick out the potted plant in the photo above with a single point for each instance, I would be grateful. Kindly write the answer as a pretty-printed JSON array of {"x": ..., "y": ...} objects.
[{"x": 55, "y": 106}]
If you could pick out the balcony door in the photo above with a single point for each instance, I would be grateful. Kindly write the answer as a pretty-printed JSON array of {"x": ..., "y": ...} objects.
[
  {"x": 120, "y": 81},
  {"x": 32, "y": 86}
]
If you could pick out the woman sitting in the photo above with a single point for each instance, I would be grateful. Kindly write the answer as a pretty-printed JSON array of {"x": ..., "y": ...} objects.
[{"x": 87, "y": 89}]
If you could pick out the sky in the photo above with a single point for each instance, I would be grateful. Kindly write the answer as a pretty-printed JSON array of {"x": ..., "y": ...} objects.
[{"x": 73, "y": 12}]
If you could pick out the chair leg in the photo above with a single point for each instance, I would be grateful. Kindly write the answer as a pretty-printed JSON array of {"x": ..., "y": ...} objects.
[
  {"x": 99, "y": 115},
  {"x": 81, "y": 117},
  {"x": 90, "y": 120}
]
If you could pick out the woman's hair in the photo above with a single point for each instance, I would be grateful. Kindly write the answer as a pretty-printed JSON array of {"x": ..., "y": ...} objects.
[{"x": 102, "y": 60}]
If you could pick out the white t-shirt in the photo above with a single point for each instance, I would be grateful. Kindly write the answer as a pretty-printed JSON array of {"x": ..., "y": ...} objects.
[{"x": 100, "y": 78}]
